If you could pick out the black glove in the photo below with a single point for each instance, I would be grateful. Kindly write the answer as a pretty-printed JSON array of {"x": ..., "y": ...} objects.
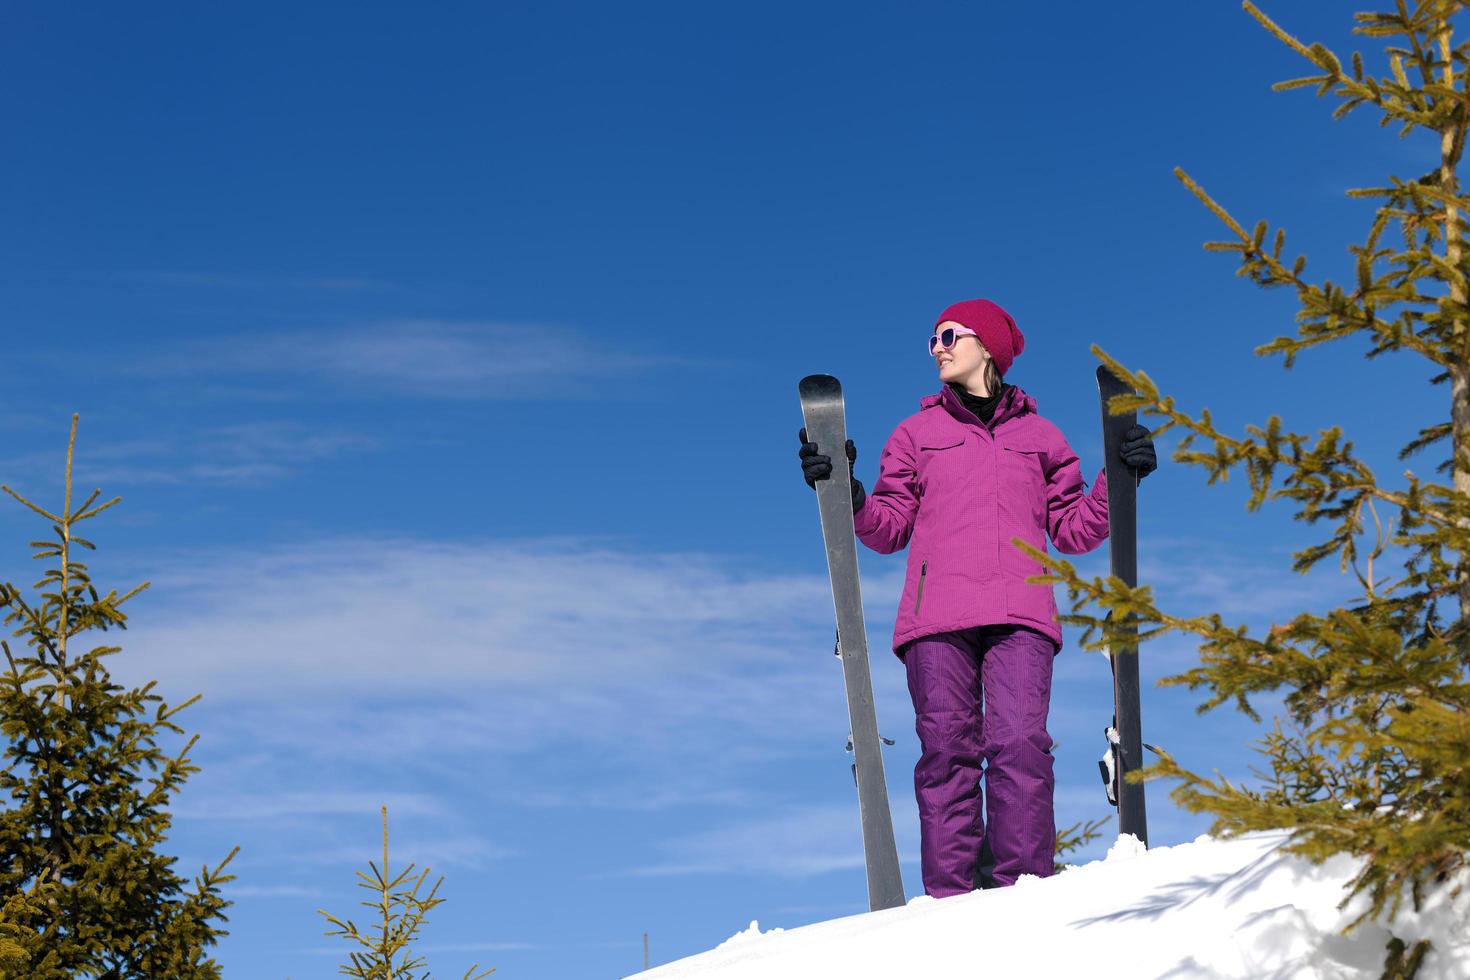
[
  {"x": 815, "y": 466},
  {"x": 1137, "y": 450}
]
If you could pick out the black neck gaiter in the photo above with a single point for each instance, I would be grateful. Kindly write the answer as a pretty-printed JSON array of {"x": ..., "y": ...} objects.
[{"x": 983, "y": 407}]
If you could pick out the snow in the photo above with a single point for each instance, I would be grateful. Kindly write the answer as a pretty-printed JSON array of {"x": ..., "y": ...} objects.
[{"x": 1212, "y": 909}]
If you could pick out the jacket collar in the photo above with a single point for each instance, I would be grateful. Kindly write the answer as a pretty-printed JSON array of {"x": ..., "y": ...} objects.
[{"x": 1013, "y": 403}]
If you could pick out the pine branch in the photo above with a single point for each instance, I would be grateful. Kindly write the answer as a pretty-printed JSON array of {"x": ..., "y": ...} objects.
[{"x": 1328, "y": 312}]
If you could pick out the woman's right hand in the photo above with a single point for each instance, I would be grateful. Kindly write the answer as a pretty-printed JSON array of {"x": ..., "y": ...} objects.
[{"x": 815, "y": 466}]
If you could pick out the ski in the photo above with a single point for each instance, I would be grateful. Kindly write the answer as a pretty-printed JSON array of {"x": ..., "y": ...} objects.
[
  {"x": 822, "y": 410},
  {"x": 1126, "y": 736}
]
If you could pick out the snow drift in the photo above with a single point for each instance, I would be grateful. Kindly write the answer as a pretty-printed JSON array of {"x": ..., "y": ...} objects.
[{"x": 1236, "y": 909}]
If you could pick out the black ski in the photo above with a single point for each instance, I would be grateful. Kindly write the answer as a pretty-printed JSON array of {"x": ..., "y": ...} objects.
[
  {"x": 822, "y": 410},
  {"x": 1127, "y": 749}
]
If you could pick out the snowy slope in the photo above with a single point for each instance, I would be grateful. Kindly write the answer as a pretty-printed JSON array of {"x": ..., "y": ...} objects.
[{"x": 1210, "y": 909}]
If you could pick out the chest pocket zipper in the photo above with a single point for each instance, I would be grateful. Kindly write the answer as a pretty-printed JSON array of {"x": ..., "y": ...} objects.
[{"x": 918, "y": 599}]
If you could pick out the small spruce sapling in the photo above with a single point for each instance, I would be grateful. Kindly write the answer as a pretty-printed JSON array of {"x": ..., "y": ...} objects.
[{"x": 401, "y": 912}]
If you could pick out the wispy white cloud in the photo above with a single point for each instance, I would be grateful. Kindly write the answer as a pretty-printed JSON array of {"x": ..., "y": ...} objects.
[
  {"x": 385, "y": 649},
  {"x": 251, "y": 806},
  {"x": 394, "y": 617},
  {"x": 439, "y": 359},
  {"x": 238, "y": 892},
  {"x": 239, "y": 454},
  {"x": 811, "y": 840},
  {"x": 25, "y": 421},
  {"x": 341, "y": 673},
  {"x": 633, "y": 798},
  {"x": 1192, "y": 575},
  {"x": 797, "y": 843},
  {"x": 475, "y": 947},
  {"x": 236, "y": 280},
  {"x": 1202, "y": 576},
  {"x": 339, "y": 669},
  {"x": 438, "y": 851},
  {"x": 428, "y": 948}
]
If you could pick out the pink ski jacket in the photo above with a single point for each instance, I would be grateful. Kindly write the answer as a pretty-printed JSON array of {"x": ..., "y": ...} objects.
[{"x": 958, "y": 492}]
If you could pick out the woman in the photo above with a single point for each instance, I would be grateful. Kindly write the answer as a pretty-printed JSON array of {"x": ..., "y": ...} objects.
[{"x": 974, "y": 468}]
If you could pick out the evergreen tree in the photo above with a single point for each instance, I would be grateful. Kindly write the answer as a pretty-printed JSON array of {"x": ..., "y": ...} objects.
[
  {"x": 86, "y": 790},
  {"x": 384, "y": 950},
  {"x": 1372, "y": 755}
]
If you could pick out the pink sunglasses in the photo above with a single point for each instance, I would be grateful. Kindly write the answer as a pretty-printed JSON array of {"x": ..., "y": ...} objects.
[{"x": 947, "y": 337}]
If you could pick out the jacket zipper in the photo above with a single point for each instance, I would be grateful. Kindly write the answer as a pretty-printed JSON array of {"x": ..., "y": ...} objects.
[{"x": 918, "y": 599}]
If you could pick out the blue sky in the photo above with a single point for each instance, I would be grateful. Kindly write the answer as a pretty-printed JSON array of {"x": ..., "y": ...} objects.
[{"x": 446, "y": 358}]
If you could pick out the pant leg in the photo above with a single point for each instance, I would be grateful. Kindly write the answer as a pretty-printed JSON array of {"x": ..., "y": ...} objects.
[
  {"x": 944, "y": 682},
  {"x": 1019, "y": 783}
]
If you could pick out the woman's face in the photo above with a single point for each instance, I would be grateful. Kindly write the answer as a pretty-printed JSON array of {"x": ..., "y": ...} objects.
[{"x": 964, "y": 363}]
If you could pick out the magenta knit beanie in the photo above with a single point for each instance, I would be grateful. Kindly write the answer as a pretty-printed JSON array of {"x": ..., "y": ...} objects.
[{"x": 997, "y": 331}]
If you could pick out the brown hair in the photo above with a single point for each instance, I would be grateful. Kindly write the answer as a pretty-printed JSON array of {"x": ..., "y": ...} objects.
[{"x": 993, "y": 377}]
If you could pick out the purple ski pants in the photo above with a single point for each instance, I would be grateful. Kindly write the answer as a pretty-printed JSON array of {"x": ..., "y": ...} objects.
[{"x": 983, "y": 693}]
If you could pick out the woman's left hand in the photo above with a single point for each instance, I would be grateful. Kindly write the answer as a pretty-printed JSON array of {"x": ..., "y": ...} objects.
[{"x": 1137, "y": 451}]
